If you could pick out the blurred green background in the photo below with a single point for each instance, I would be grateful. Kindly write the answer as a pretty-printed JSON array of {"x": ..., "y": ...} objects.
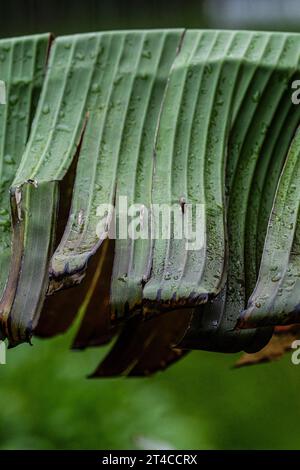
[
  {"x": 45, "y": 400},
  {"x": 201, "y": 402}
]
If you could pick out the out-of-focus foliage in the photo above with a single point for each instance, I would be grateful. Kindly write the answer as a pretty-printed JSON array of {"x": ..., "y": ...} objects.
[{"x": 201, "y": 402}]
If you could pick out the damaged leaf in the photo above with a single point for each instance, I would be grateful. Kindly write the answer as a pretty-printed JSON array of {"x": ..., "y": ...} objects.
[{"x": 130, "y": 123}]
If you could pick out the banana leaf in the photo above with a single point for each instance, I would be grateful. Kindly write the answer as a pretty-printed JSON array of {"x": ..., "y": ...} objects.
[
  {"x": 22, "y": 67},
  {"x": 160, "y": 117},
  {"x": 275, "y": 299},
  {"x": 258, "y": 144},
  {"x": 34, "y": 190}
]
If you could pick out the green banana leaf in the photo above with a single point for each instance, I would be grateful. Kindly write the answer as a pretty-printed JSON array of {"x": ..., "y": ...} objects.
[
  {"x": 162, "y": 117},
  {"x": 275, "y": 299},
  {"x": 22, "y": 67}
]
